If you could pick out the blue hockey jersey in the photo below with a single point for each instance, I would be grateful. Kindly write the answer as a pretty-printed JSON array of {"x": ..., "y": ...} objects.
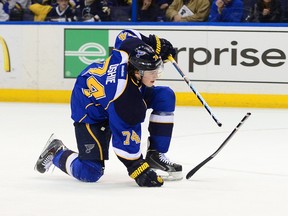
[{"x": 93, "y": 100}]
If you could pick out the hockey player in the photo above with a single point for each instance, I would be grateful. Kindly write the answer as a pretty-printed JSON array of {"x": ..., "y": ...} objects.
[{"x": 111, "y": 98}]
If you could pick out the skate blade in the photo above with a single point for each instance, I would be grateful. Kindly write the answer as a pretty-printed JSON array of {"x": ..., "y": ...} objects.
[
  {"x": 169, "y": 176},
  {"x": 51, "y": 138}
]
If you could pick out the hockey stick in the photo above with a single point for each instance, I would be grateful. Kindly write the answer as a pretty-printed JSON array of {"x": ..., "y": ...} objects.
[
  {"x": 187, "y": 80},
  {"x": 195, "y": 169}
]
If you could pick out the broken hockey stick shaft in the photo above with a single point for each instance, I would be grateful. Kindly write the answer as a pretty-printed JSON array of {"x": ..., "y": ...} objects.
[
  {"x": 195, "y": 169},
  {"x": 187, "y": 80}
]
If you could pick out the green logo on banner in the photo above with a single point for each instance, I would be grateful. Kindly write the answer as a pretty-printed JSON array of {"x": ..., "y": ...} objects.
[{"x": 83, "y": 47}]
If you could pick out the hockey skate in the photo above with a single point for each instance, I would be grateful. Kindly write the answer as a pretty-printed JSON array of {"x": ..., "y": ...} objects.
[
  {"x": 163, "y": 166},
  {"x": 44, "y": 161}
]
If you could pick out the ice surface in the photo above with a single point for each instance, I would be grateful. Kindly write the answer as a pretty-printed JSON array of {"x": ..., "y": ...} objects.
[{"x": 249, "y": 177}]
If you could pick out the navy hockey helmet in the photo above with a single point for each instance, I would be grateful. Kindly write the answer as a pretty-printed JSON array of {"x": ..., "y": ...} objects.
[{"x": 144, "y": 58}]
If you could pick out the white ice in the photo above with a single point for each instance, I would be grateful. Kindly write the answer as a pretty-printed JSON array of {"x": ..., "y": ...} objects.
[{"x": 249, "y": 177}]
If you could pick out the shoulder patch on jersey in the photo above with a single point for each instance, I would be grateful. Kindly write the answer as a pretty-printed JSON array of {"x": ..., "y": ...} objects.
[{"x": 125, "y": 34}]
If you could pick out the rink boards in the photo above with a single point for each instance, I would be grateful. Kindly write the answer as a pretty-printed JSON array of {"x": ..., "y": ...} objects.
[{"x": 238, "y": 66}]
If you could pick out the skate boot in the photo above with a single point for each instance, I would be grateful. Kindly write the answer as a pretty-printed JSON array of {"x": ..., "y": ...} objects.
[
  {"x": 163, "y": 166},
  {"x": 52, "y": 147}
]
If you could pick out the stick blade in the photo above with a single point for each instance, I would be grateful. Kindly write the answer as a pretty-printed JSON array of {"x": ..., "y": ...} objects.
[{"x": 195, "y": 169}]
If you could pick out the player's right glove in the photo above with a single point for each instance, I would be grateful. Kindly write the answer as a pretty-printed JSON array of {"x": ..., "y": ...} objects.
[
  {"x": 161, "y": 46},
  {"x": 144, "y": 175},
  {"x": 167, "y": 49}
]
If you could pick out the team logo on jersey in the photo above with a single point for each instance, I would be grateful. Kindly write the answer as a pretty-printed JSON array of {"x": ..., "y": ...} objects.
[
  {"x": 6, "y": 56},
  {"x": 89, "y": 147},
  {"x": 83, "y": 47}
]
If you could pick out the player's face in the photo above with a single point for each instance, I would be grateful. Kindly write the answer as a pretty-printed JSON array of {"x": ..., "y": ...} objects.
[{"x": 149, "y": 77}]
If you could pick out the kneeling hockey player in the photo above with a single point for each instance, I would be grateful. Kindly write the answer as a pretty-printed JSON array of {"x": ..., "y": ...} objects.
[{"x": 111, "y": 99}]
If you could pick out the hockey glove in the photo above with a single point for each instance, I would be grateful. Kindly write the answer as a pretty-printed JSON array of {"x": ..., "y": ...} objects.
[
  {"x": 162, "y": 47},
  {"x": 144, "y": 175}
]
